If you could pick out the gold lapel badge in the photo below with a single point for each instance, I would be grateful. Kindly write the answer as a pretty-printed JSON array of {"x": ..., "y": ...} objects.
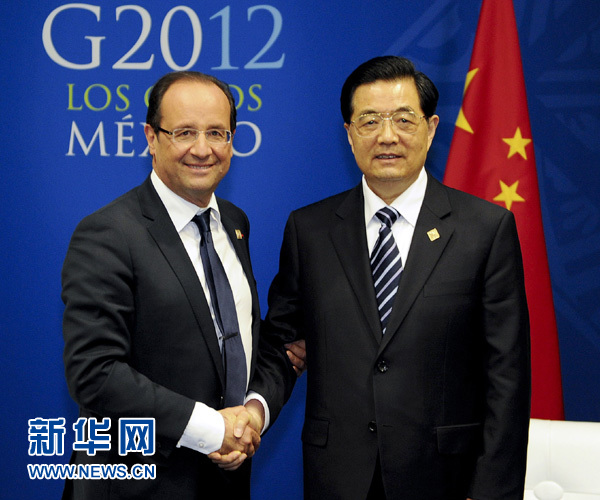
[
  {"x": 239, "y": 234},
  {"x": 433, "y": 234}
]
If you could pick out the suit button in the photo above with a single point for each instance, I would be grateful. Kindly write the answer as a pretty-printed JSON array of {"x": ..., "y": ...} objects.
[
  {"x": 373, "y": 426},
  {"x": 382, "y": 366}
]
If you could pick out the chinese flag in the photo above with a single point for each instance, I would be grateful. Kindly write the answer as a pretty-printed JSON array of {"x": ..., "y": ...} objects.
[{"x": 491, "y": 156}]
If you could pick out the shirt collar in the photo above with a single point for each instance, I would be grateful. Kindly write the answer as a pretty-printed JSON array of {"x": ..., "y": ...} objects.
[
  {"x": 408, "y": 203},
  {"x": 181, "y": 211}
]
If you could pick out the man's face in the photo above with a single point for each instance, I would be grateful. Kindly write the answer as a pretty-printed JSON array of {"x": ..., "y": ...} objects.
[
  {"x": 193, "y": 171},
  {"x": 391, "y": 160}
]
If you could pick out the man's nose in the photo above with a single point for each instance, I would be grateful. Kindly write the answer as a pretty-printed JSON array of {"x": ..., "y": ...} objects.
[
  {"x": 201, "y": 147},
  {"x": 388, "y": 131}
]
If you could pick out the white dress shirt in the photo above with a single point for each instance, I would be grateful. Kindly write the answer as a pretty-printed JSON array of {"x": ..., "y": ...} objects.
[{"x": 408, "y": 205}]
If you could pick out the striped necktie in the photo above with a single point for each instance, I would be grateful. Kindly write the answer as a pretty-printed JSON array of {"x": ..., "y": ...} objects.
[{"x": 386, "y": 264}]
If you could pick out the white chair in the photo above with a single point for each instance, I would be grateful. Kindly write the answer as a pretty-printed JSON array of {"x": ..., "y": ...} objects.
[{"x": 563, "y": 460}]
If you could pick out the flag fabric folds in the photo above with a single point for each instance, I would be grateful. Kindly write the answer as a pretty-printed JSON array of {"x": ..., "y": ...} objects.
[{"x": 492, "y": 156}]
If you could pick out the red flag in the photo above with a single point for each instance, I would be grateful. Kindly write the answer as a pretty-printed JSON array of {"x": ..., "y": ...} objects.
[{"x": 492, "y": 157}]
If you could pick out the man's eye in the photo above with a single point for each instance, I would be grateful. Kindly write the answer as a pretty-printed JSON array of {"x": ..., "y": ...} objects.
[{"x": 369, "y": 122}]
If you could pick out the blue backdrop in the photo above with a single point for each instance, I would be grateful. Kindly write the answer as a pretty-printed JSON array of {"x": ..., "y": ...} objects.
[{"x": 74, "y": 81}]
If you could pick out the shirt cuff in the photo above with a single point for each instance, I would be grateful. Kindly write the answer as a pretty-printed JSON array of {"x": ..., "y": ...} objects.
[
  {"x": 261, "y": 400},
  {"x": 205, "y": 430}
]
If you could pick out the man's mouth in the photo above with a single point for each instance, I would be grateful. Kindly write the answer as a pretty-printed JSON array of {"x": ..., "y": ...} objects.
[
  {"x": 198, "y": 167},
  {"x": 387, "y": 157}
]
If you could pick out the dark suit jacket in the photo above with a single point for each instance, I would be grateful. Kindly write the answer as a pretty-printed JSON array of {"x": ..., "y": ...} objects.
[
  {"x": 140, "y": 342},
  {"x": 443, "y": 397}
]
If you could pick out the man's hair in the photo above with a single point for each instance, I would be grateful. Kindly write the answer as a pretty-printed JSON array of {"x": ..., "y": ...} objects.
[
  {"x": 388, "y": 68},
  {"x": 154, "y": 117}
]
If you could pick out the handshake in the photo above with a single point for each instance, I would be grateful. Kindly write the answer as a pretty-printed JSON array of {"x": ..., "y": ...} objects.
[{"x": 243, "y": 424}]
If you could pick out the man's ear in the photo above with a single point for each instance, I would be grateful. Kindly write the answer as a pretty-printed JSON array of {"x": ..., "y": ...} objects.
[
  {"x": 432, "y": 124},
  {"x": 350, "y": 141},
  {"x": 151, "y": 138}
]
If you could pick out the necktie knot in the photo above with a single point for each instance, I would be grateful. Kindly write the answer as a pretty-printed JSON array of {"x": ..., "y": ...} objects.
[
  {"x": 388, "y": 215},
  {"x": 203, "y": 221}
]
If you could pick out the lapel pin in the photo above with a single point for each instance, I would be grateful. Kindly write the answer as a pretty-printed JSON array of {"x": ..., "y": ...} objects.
[
  {"x": 433, "y": 234},
  {"x": 239, "y": 234}
]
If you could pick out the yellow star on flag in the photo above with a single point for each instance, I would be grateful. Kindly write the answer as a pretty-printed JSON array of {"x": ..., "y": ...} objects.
[
  {"x": 509, "y": 194},
  {"x": 462, "y": 121},
  {"x": 517, "y": 144}
]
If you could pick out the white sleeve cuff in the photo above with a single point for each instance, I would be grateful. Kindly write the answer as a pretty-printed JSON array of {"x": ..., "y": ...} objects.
[
  {"x": 261, "y": 400},
  {"x": 205, "y": 430}
]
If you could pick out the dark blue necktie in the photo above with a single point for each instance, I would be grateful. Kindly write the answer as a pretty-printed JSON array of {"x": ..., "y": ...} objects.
[
  {"x": 386, "y": 264},
  {"x": 225, "y": 314}
]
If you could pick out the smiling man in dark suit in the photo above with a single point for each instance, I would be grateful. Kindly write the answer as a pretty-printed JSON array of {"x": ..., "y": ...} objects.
[
  {"x": 144, "y": 335},
  {"x": 411, "y": 300}
]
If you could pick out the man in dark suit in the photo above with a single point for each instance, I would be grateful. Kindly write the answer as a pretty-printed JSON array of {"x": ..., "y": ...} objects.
[
  {"x": 141, "y": 335},
  {"x": 410, "y": 296}
]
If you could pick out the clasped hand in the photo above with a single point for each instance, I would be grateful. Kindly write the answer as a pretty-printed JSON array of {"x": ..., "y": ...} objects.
[{"x": 243, "y": 425}]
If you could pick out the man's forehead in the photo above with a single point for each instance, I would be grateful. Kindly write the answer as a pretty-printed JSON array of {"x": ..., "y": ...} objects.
[
  {"x": 399, "y": 93},
  {"x": 186, "y": 97},
  {"x": 407, "y": 83}
]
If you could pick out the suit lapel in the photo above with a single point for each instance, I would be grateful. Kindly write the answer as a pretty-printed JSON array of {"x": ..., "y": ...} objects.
[
  {"x": 425, "y": 251},
  {"x": 164, "y": 234},
  {"x": 350, "y": 242},
  {"x": 239, "y": 241}
]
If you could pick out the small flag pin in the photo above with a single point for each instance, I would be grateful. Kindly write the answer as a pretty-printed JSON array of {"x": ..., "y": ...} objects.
[{"x": 239, "y": 234}]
